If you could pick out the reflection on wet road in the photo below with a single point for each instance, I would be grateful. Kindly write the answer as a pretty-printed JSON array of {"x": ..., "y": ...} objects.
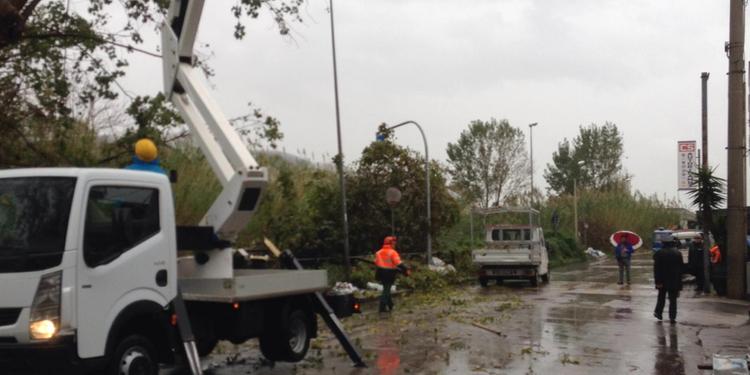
[{"x": 581, "y": 323}]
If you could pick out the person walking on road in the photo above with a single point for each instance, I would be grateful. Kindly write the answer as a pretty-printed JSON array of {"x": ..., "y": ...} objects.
[
  {"x": 668, "y": 269},
  {"x": 695, "y": 262},
  {"x": 388, "y": 264},
  {"x": 623, "y": 253}
]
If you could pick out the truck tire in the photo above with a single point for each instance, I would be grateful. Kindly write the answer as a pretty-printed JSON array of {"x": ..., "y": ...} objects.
[
  {"x": 134, "y": 355},
  {"x": 483, "y": 281},
  {"x": 206, "y": 346},
  {"x": 535, "y": 280},
  {"x": 290, "y": 340}
]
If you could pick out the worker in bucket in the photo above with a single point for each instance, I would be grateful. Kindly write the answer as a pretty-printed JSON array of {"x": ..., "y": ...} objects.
[
  {"x": 146, "y": 157},
  {"x": 388, "y": 264}
]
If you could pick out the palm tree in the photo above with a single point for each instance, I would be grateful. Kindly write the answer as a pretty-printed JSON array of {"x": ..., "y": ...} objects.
[{"x": 708, "y": 195}]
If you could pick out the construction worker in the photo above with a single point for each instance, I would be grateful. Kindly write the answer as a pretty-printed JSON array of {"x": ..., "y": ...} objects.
[
  {"x": 146, "y": 157},
  {"x": 715, "y": 254},
  {"x": 388, "y": 264}
]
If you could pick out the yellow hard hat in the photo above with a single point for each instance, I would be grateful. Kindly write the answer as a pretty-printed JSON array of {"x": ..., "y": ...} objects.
[{"x": 145, "y": 149}]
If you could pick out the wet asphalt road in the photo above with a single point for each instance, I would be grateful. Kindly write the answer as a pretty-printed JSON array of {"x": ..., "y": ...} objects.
[{"x": 580, "y": 323}]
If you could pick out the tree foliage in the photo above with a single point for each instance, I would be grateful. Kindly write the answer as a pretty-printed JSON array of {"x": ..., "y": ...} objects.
[
  {"x": 383, "y": 165},
  {"x": 57, "y": 62},
  {"x": 593, "y": 159},
  {"x": 708, "y": 195},
  {"x": 489, "y": 163},
  {"x": 708, "y": 192},
  {"x": 301, "y": 208}
]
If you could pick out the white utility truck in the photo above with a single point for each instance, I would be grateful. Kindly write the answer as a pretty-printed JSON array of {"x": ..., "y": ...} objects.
[
  {"x": 512, "y": 251},
  {"x": 91, "y": 277}
]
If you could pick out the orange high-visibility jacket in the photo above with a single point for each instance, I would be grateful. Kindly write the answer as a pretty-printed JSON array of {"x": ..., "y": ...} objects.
[
  {"x": 715, "y": 254},
  {"x": 387, "y": 257}
]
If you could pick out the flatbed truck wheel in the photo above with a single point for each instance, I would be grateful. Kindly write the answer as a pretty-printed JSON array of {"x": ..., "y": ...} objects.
[
  {"x": 290, "y": 341},
  {"x": 545, "y": 278},
  {"x": 483, "y": 281},
  {"x": 535, "y": 280},
  {"x": 134, "y": 355}
]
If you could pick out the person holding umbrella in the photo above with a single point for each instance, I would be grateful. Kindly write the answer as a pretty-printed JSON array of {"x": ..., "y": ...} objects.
[
  {"x": 623, "y": 253},
  {"x": 625, "y": 242}
]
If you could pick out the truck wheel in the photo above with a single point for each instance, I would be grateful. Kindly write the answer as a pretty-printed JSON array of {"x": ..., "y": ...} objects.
[
  {"x": 134, "y": 355},
  {"x": 290, "y": 341},
  {"x": 535, "y": 280},
  {"x": 545, "y": 278},
  {"x": 483, "y": 281},
  {"x": 206, "y": 346}
]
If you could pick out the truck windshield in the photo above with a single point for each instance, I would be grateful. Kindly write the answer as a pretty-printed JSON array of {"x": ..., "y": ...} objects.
[
  {"x": 516, "y": 235},
  {"x": 34, "y": 214}
]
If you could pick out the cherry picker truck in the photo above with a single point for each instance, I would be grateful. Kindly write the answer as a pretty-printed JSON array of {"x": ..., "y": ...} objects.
[{"x": 94, "y": 273}]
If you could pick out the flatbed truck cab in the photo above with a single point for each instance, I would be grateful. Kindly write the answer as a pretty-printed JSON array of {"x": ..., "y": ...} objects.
[
  {"x": 513, "y": 252},
  {"x": 89, "y": 275}
]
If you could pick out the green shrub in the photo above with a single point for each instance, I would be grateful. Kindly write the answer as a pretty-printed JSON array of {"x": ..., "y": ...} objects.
[
  {"x": 562, "y": 249},
  {"x": 608, "y": 211},
  {"x": 423, "y": 279},
  {"x": 361, "y": 275}
]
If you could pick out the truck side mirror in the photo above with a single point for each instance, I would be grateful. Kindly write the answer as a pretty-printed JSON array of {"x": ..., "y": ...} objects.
[{"x": 173, "y": 176}]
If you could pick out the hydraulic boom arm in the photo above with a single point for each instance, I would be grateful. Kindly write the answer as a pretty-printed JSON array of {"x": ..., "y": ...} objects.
[{"x": 243, "y": 181}]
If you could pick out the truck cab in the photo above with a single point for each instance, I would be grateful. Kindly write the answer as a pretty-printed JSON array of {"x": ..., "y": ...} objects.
[
  {"x": 89, "y": 279},
  {"x": 81, "y": 250},
  {"x": 512, "y": 251}
]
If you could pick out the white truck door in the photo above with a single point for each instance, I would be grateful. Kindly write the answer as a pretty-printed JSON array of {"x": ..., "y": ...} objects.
[{"x": 125, "y": 256}]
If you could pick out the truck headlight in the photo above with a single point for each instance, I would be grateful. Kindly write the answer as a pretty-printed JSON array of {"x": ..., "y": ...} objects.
[{"x": 45, "y": 311}]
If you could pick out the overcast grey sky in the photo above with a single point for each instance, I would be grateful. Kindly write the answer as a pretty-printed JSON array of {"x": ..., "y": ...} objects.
[{"x": 444, "y": 63}]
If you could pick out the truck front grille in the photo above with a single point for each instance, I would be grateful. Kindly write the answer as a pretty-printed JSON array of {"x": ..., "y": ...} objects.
[{"x": 9, "y": 316}]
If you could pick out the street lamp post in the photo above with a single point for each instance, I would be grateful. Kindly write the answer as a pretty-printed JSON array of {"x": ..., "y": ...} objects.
[
  {"x": 575, "y": 210},
  {"x": 575, "y": 202},
  {"x": 531, "y": 154},
  {"x": 427, "y": 183},
  {"x": 340, "y": 156}
]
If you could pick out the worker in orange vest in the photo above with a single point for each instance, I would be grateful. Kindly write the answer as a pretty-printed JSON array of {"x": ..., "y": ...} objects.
[
  {"x": 388, "y": 264},
  {"x": 715, "y": 254}
]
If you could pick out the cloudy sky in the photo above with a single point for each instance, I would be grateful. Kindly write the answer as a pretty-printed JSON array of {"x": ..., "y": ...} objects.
[{"x": 444, "y": 63}]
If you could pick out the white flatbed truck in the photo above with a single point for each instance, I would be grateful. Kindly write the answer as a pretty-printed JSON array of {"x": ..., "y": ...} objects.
[
  {"x": 91, "y": 274},
  {"x": 512, "y": 250}
]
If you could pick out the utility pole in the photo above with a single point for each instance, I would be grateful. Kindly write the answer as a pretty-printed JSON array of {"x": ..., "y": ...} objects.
[
  {"x": 575, "y": 210},
  {"x": 531, "y": 172},
  {"x": 736, "y": 165},
  {"x": 704, "y": 160},
  {"x": 340, "y": 156}
]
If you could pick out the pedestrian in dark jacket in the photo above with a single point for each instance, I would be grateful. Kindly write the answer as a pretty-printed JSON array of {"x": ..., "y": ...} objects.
[
  {"x": 668, "y": 269},
  {"x": 623, "y": 253},
  {"x": 695, "y": 262}
]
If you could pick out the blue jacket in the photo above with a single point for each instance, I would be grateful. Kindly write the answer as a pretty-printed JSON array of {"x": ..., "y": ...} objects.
[
  {"x": 148, "y": 166},
  {"x": 628, "y": 251}
]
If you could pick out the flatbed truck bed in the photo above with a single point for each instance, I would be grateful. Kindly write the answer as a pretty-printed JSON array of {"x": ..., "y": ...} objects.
[{"x": 254, "y": 284}]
